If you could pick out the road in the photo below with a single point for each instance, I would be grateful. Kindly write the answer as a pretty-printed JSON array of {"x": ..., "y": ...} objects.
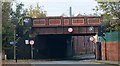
[
  {"x": 73, "y": 62},
  {"x": 68, "y": 63},
  {"x": 63, "y": 62}
]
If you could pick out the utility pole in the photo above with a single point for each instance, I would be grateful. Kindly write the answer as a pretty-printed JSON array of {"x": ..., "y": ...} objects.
[
  {"x": 70, "y": 11},
  {"x": 70, "y": 30}
]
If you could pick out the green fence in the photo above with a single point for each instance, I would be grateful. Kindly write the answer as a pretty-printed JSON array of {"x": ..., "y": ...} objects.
[{"x": 112, "y": 36}]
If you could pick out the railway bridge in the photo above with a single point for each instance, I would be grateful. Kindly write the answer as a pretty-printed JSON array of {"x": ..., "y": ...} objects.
[{"x": 64, "y": 37}]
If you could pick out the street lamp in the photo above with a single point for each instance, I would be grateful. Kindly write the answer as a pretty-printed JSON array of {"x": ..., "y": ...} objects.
[
  {"x": 27, "y": 21},
  {"x": 91, "y": 28}
]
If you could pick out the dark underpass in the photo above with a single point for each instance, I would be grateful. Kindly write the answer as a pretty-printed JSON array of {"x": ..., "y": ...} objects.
[{"x": 52, "y": 47}]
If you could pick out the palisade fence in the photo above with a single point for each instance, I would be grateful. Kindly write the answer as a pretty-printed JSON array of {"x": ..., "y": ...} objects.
[
  {"x": 112, "y": 36},
  {"x": 111, "y": 48}
]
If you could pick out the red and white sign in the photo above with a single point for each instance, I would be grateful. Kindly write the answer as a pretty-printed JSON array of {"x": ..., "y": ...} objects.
[
  {"x": 70, "y": 29},
  {"x": 92, "y": 39},
  {"x": 31, "y": 42}
]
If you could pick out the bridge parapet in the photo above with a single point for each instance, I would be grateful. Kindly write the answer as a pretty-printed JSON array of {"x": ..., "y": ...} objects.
[{"x": 66, "y": 21}]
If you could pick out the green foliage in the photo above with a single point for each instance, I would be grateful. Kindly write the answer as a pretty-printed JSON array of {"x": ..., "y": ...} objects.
[
  {"x": 36, "y": 12},
  {"x": 18, "y": 14},
  {"x": 5, "y": 14},
  {"x": 7, "y": 26},
  {"x": 11, "y": 18},
  {"x": 110, "y": 10},
  {"x": 114, "y": 26}
]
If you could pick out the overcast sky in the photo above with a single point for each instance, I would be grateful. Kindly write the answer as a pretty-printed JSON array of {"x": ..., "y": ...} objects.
[{"x": 58, "y": 7}]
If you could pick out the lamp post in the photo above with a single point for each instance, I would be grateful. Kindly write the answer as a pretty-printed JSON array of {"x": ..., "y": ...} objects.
[
  {"x": 28, "y": 23},
  {"x": 15, "y": 57}
]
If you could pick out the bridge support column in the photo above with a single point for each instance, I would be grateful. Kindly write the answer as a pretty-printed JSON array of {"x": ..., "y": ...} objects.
[{"x": 69, "y": 47}]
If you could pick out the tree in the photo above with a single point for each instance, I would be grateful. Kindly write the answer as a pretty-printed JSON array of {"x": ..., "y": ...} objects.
[
  {"x": 17, "y": 16},
  {"x": 7, "y": 26},
  {"x": 110, "y": 10},
  {"x": 10, "y": 19},
  {"x": 36, "y": 12}
]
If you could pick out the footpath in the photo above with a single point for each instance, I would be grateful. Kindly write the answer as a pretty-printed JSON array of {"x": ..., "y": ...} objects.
[
  {"x": 112, "y": 63},
  {"x": 91, "y": 58},
  {"x": 83, "y": 58},
  {"x": 116, "y": 63}
]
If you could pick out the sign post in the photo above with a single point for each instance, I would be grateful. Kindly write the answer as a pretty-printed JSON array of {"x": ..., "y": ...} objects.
[{"x": 31, "y": 43}]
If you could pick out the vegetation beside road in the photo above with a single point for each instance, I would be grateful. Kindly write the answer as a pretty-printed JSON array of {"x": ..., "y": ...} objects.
[
  {"x": 12, "y": 20},
  {"x": 110, "y": 11}
]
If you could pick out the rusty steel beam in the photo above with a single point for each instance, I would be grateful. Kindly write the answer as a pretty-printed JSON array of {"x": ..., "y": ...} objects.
[{"x": 64, "y": 30}]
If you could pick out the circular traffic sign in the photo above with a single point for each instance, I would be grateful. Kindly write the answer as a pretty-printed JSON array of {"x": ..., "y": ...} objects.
[
  {"x": 70, "y": 29},
  {"x": 31, "y": 42},
  {"x": 92, "y": 38}
]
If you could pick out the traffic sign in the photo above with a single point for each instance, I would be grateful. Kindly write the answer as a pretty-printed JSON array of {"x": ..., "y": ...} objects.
[
  {"x": 70, "y": 29},
  {"x": 92, "y": 38},
  {"x": 26, "y": 41},
  {"x": 12, "y": 42},
  {"x": 99, "y": 39},
  {"x": 31, "y": 42}
]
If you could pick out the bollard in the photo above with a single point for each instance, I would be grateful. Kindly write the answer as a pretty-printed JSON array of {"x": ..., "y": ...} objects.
[{"x": 5, "y": 57}]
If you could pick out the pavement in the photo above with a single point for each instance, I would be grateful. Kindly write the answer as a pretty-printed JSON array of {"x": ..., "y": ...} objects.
[
  {"x": 83, "y": 59},
  {"x": 59, "y": 63},
  {"x": 104, "y": 62}
]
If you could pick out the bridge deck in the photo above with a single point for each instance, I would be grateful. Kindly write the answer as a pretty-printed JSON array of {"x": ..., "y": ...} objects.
[{"x": 60, "y": 25}]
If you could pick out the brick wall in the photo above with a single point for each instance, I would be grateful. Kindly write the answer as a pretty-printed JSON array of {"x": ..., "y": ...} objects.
[
  {"x": 119, "y": 50},
  {"x": 111, "y": 50}
]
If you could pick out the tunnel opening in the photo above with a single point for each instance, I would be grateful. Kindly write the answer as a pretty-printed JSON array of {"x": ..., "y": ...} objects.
[{"x": 52, "y": 47}]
